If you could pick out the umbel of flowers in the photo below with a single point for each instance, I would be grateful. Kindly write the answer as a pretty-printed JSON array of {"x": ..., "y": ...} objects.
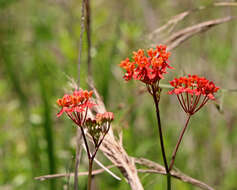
[
  {"x": 148, "y": 68},
  {"x": 193, "y": 92},
  {"x": 76, "y": 107}
]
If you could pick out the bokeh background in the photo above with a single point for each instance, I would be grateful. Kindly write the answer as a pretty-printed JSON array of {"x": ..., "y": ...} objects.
[{"x": 38, "y": 58}]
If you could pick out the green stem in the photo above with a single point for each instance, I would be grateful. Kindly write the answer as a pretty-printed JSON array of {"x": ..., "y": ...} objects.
[
  {"x": 168, "y": 181},
  {"x": 154, "y": 91},
  {"x": 178, "y": 143},
  {"x": 90, "y": 174}
]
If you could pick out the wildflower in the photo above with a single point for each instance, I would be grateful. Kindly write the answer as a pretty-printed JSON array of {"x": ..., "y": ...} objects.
[
  {"x": 99, "y": 126},
  {"x": 193, "y": 92},
  {"x": 148, "y": 69},
  {"x": 76, "y": 105}
]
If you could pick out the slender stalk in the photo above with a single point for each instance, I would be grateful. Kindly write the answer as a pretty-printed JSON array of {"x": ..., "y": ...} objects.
[
  {"x": 187, "y": 96},
  {"x": 168, "y": 181},
  {"x": 182, "y": 104},
  {"x": 178, "y": 143},
  {"x": 80, "y": 40},
  {"x": 88, "y": 32},
  {"x": 90, "y": 174},
  {"x": 161, "y": 137},
  {"x": 204, "y": 101},
  {"x": 186, "y": 106},
  {"x": 85, "y": 141},
  {"x": 78, "y": 147},
  {"x": 195, "y": 103}
]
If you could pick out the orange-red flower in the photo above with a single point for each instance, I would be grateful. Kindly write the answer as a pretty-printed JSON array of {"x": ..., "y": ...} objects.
[
  {"x": 190, "y": 90},
  {"x": 76, "y": 105},
  {"x": 148, "y": 69}
]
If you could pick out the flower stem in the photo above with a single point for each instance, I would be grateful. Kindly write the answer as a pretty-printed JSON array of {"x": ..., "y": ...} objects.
[
  {"x": 168, "y": 181},
  {"x": 178, "y": 143},
  {"x": 90, "y": 174},
  {"x": 161, "y": 137},
  {"x": 91, "y": 158},
  {"x": 85, "y": 141}
]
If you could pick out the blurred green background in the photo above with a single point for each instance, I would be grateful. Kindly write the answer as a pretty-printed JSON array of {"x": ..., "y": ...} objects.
[{"x": 38, "y": 55}]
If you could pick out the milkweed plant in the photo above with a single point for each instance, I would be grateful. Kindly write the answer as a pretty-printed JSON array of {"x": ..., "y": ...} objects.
[
  {"x": 150, "y": 67},
  {"x": 76, "y": 107},
  {"x": 192, "y": 91}
]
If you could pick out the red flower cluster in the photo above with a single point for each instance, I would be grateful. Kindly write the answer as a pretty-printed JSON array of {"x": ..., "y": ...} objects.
[
  {"x": 193, "y": 87},
  {"x": 74, "y": 105},
  {"x": 148, "y": 69}
]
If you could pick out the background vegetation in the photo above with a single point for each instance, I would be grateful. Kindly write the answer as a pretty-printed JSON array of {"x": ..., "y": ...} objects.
[{"x": 38, "y": 55}]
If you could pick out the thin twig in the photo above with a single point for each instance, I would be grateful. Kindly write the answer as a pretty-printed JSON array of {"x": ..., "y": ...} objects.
[{"x": 94, "y": 172}]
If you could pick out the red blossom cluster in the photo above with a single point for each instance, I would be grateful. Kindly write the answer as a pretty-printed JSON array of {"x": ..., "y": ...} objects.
[
  {"x": 148, "y": 69},
  {"x": 189, "y": 91},
  {"x": 75, "y": 105}
]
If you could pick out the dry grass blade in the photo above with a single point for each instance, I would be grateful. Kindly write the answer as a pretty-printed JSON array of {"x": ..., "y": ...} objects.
[
  {"x": 159, "y": 169},
  {"x": 225, "y": 4},
  {"x": 178, "y": 37},
  {"x": 95, "y": 172},
  {"x": 170, "y": 24}
]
